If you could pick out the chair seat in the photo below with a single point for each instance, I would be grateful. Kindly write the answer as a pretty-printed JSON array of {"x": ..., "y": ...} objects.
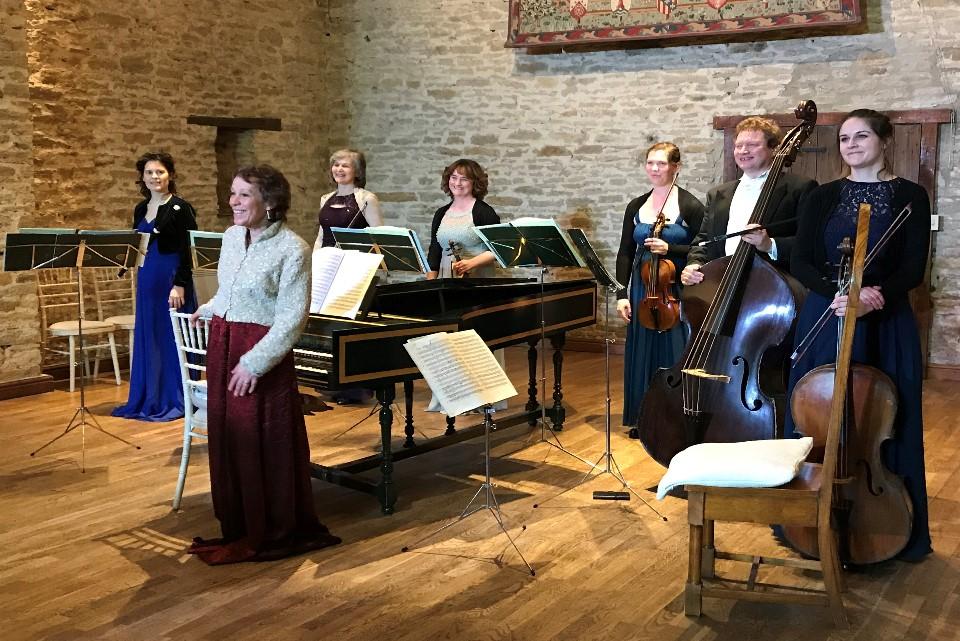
[
  {"x": 793, "y": 503},
  {"x": 125, "y": 321},
  {"x": 198, "y": 392},
  {"x": 72, "y": 328}
]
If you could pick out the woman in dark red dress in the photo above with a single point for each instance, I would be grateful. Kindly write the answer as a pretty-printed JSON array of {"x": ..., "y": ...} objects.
[{"x": 259, "y": 455}]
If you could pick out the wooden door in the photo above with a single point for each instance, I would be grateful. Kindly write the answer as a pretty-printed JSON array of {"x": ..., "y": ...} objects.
[{"x": 914, "y": 157}]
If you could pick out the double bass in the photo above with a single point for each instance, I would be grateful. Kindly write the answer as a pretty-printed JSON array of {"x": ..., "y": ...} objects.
[
  {"x": 659, "y": 309},
  {"x": 743, "y": 311},
  {"x": 871, "y": 507}
]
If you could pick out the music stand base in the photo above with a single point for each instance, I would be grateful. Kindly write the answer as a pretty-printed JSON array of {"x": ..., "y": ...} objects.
[
  {"x": 83, "y": 413},
  {"x": 488, "y": 502}
]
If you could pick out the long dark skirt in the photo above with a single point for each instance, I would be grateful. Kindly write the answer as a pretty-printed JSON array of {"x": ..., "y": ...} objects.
[
  {"x": 887, "y": 340},
  {"x": 259, "y": 458}
]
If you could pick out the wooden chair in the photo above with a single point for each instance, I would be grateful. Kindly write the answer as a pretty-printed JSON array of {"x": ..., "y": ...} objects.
[
  {"x": 59, "y": 291},
  {"x": 805, "y": 501},
  {"x": 191, "y": 352},
  {"x": 117, "y": 301}
]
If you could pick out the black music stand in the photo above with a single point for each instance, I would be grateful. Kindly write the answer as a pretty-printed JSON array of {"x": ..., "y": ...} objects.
[
  {"x": 57, "y": 248},
  {"x": 400, "y": 247},
  {"x": 205, "y": 255},
  {"x": 534, "y": 242},
  {"x": 610, "y": 286}
]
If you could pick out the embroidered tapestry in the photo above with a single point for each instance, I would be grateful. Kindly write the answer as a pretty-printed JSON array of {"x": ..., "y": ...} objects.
[{"x": 542, "y": 23}]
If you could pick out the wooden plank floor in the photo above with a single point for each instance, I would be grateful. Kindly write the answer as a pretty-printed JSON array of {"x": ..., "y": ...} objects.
[{"x": 100, "y": 555}]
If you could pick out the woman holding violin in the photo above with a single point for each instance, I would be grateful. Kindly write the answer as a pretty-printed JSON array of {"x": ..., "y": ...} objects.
[
  {"x": 886, "y": 334},
  {"x": 657, "y": 229}
]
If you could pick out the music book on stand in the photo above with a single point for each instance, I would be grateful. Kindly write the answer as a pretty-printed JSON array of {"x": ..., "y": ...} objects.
[
  {"x": 461, "y": 370},
  {"x": 530, "y": 242},
  {"x": 400, "y": 247},
  {"x": 342, "y": 281}
]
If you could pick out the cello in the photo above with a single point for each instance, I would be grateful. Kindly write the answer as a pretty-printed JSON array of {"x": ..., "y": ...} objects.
[
  {"x": 659, "y": 309},
  {"x": 743, "y": 311},
  {"x": 871, "y": 507}
]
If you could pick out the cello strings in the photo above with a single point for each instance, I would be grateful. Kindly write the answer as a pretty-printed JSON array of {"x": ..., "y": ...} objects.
[{"x": 844, "y": 287}]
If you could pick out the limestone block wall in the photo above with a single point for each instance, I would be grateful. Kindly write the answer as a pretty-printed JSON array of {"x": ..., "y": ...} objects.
[
  {"x": 19, "y": 333},
  {"x": 88, "y": 87},
  {"x": 110, "y": 80},
  {"x": 424, "y": 82}
]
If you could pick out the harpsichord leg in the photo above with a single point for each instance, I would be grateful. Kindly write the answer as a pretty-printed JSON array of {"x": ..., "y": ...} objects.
[
  {"x": 557, "y": 412},
  {"x": 385, "y": 490}
]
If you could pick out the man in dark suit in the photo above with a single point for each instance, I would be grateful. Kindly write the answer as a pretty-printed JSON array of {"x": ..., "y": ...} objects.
[{"x": 730, "y": 205}]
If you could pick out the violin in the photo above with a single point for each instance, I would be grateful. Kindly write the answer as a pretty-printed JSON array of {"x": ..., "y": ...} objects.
[
  {"x": 871, "y": 507},
  {"x": 454, "y": 249},
  {"x": 740, "y": 315},
  {"x": 659, "y": 309}
]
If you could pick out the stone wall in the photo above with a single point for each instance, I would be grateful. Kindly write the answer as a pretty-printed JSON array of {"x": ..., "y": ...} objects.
[
  {"x": 91, "y": 86},
  {"x": 19, "y": 337},
  {"x": 110, "y": 80},
  {"x": 561, "y": 134}
]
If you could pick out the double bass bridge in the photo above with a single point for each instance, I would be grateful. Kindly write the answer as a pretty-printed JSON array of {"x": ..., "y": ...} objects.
[{"x": 699, "y": 372}]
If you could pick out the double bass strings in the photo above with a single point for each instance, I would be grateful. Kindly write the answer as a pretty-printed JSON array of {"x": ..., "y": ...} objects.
[
  {"x": 694, "y": 367},
  {"x": 844, "y": 286}
]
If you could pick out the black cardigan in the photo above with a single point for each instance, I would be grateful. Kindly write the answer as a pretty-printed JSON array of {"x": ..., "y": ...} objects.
[
  {"x": 897, "y": 269},
  {"x": 175, "y": 218},
  {"x": 691, "y": 215},
  {"x": 483, "y": 214}
]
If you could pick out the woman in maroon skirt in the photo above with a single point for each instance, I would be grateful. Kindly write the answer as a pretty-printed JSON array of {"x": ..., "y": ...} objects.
[{"x": 259, "y": 456}]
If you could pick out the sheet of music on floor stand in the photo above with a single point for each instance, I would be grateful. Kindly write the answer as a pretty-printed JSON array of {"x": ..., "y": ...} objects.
[
  {"x": 341, "y": 279},
  {"x": 461, "y": 370}
]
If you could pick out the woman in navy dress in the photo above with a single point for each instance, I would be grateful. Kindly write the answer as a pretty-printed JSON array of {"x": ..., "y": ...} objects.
[
  {"x": 164, "y": 281},
  {"x": 886, "y": 335},
  {"x": 649, "y": 350}
]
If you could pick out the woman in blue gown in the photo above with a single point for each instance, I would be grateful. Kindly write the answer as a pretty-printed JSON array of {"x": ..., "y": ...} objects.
[
  {"x": 649, "y": 350},
  {"x": 886, "y": 334},
  {"x": 164, "y": 281}
]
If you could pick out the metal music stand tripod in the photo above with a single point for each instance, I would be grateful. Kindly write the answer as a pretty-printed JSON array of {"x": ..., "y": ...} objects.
[
  {"x": 607, "y": 464},
  {"x": 540, "y": 243},
  {"x": 485, "y": 494},
  {"x": 58, "y": 249}
]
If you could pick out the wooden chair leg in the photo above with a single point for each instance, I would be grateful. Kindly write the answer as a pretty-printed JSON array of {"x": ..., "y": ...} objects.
[
  {"x": 130, "y": 350},
  {"x": 693, "y": 592},
  {"x": 709, "y": 563},
  {"x": 830, "y": 565},
  {"x": 184, "y": 459},
  {"x": 113, "y": 356},
  {"x": 72, "y": 347}
]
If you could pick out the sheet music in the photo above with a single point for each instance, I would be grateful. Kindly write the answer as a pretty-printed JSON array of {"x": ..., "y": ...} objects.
[
  {"x": 341, "y": 280},
  {"x": 461, "y": 370}
]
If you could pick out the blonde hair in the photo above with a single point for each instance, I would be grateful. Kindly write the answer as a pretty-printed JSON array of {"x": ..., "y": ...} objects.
[
  {"x": 357, "y": 159},
  {"x": 771, "y": 130}
]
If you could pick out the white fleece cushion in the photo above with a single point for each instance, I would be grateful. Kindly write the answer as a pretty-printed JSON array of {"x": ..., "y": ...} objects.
[{"x": 748, "y": 464}]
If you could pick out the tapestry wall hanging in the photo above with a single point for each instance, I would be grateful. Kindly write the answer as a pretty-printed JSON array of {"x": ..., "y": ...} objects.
[{"x": 558, "y": 23}]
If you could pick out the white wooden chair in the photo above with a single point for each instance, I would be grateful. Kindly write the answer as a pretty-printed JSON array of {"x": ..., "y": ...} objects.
[
  {"x": 191, "y": 352},
  {"x": 117, "y": 301},
  {"x": 59, "y": 291}
]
